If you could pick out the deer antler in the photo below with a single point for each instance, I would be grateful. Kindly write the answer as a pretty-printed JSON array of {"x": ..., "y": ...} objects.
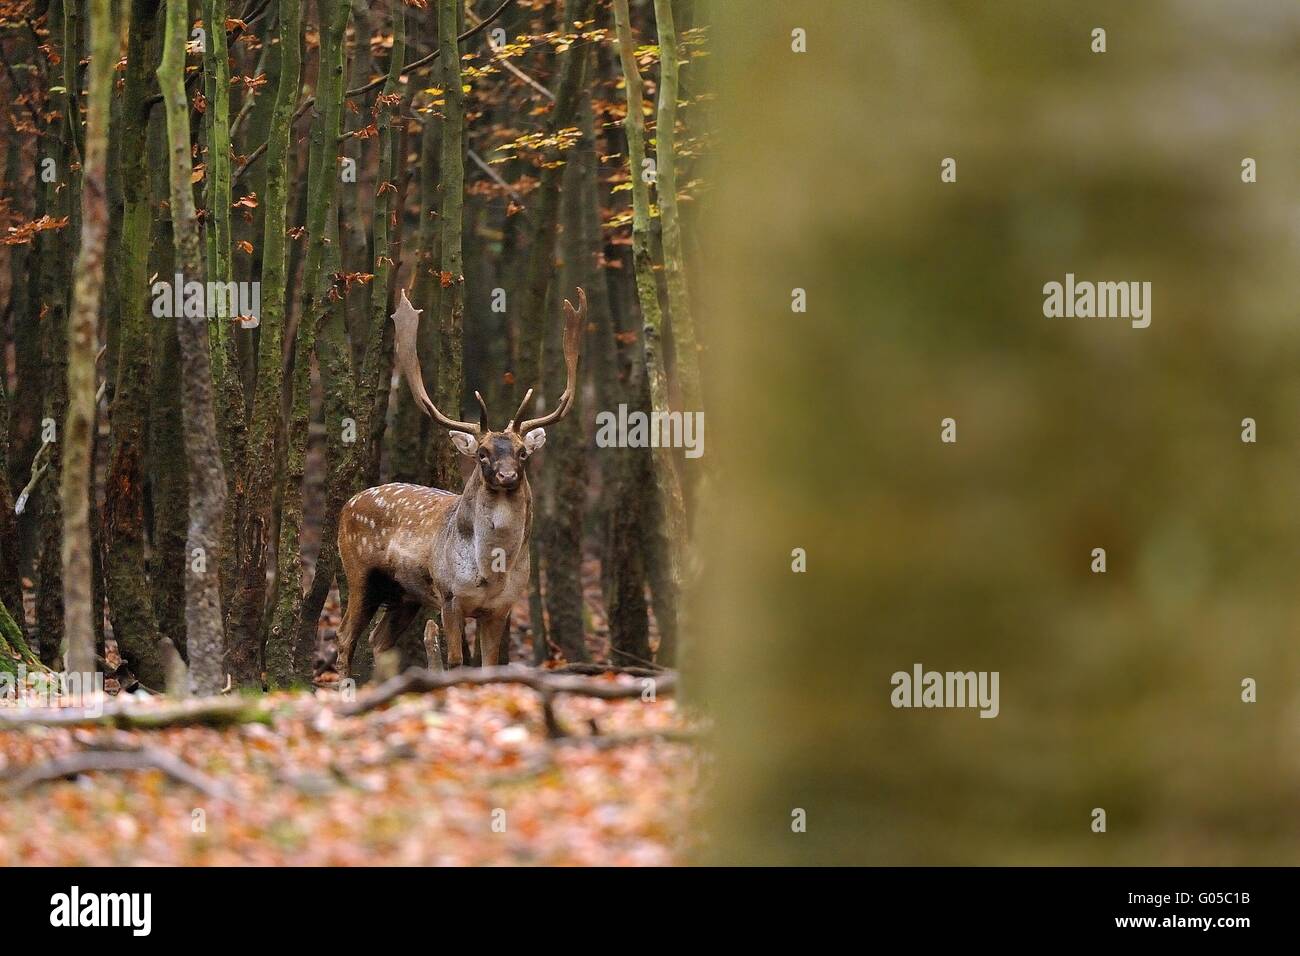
[
  {"x": 574, "y": 320},
  {"x": 406, "y": 323}
]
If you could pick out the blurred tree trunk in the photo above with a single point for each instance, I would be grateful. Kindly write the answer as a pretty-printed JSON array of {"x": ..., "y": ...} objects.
[
  {"x": 679, "y": 305},
  {"x": 265, "y": 439},
  {"x": 130, "y": 598},
  {"x": 207, "y": 483},
  {"x": 83, "y": 347}
]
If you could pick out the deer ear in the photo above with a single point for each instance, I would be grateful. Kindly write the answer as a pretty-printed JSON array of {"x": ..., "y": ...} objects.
[
  {"x": 465, "y": 444},
  {"x": 535, "y": 439}
]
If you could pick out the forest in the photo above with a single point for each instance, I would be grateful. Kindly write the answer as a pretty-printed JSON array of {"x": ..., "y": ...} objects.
[
  {"x": 357, "y": 505},
  {"x": 311, "y": 165}
]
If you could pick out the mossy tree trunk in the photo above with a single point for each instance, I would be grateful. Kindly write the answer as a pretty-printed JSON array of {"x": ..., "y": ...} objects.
[
  {"x": 207, "y": 482},
  {"x": 679, "y": 304},
  {"x": 130, "y": 598},
  {"x": 83, "y": 346},
  {"x": 323, "y": 178},
  {"x": 667, "y": 480},
  {"x": 265, "y": 442}
]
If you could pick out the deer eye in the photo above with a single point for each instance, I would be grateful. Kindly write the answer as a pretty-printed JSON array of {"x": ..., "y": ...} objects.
[{"x": 523, "y": 455}]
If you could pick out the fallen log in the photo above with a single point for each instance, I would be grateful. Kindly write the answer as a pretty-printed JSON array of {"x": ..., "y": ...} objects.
[
  {"x": 144, "y": 758},
  {"x": 419, "y": 681},
  {"x": 206, "y": 712}
]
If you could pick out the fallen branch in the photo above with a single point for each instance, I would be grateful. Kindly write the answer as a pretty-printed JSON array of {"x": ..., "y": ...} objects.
[
  {"x": 146, "y": 758},
  {"x": 593, "y": 669},
  {"x": 671, "y": 735},
  {"x": 209, "y": 712},
  {"x": 39, "y": 467},
  {"x": 419, "y": 681}
]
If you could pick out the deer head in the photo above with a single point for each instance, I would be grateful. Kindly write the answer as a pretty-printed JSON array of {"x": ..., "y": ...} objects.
[{"x": 500, "y": 455}]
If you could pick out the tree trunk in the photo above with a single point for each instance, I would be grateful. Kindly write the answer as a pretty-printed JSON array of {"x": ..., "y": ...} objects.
[
  {"x": 83, "y": 346},
  {"x": 223, "y": 325},
  {"x": 265, "y": 442},
  {"x": 207, "y": 483},
  {"x": 322, "y": 183},
  {"x": 130, "y": 599},
  {"x": 564, "y": 472},
  {"x": 679, "y": 306},
  {"x": 666, "y": 478},
  {"x": 451, "y": 301},
  {"x": 11, "y": 588}
]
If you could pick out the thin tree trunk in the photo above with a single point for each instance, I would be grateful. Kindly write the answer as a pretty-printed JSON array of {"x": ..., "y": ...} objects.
[
  {"x": 564, "y": 477},
  {"x": 322, "y": 183},
  {"x": 451, "y": 301},
  {"x": 130, "y": 599},
  {"x": 222, "y": 324},
  {"x": 207, "y": 483},
  {"x": 265, "y": 442},
  {"x": 615, "y": 377},
  {"x": 679, "y": 306},
  {"x": 670, "y": 492},
  {"x": 11, "y": 589},
  {"x": 83, "y": 345}
]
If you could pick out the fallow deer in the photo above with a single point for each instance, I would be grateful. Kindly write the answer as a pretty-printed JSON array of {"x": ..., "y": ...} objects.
[{"x": 405, "y": 546}]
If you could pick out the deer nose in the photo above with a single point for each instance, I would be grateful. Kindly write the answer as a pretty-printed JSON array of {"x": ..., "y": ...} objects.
[{"x": 507, "y": 477}]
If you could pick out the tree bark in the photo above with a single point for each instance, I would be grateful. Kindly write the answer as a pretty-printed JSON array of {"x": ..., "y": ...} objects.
[
  {"x": 679, "y": 305},
  {"x": 265, "y": 441},
  {"x": 207, "y": 483},
  {"x": 130, "y": 599},
  {"x": 322, "y": 183},
  {"x": 666, "y": 478},
  {"x": 451, "y": 301},
  {"x": 83, "y": 346}
]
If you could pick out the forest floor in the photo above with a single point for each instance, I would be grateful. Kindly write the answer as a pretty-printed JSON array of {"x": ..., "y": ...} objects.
[{"x": 463, "y": 775}]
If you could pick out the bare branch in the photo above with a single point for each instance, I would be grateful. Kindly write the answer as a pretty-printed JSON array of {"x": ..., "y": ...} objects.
[{"x": 418, "y": 681}]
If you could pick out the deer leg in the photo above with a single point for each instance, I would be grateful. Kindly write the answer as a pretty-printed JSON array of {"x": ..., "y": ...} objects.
[
  {"x": 356, "y": 617},
  {"x": 491, "y": 634},
  {"x": 453, "y": 625},
  {"x": 431, "y": 645}
]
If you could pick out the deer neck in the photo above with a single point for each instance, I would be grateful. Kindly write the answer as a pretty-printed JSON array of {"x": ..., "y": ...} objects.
[{"x": 495, "y": 519}]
